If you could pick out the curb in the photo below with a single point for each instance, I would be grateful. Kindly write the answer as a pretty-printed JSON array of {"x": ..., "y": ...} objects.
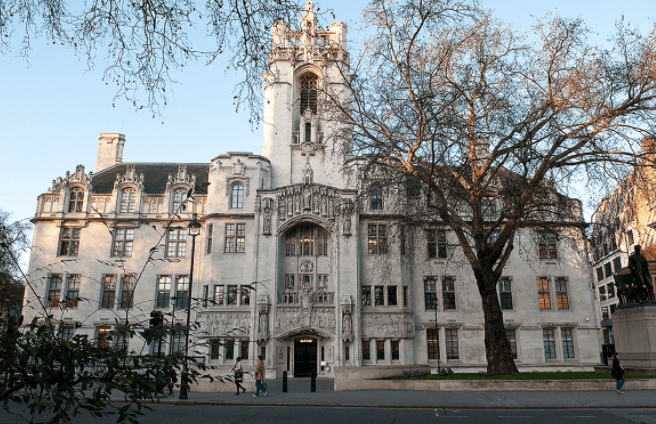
[{"x": 387, "y": 406}]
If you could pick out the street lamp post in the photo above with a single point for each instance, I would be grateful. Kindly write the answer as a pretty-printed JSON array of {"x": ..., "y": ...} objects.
[
  {"x": 194, "y": 230},
  {"x": 437, "y": 334}
]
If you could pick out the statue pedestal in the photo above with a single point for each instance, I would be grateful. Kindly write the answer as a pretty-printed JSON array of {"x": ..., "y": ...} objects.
[{"x": 634, "y": 329}]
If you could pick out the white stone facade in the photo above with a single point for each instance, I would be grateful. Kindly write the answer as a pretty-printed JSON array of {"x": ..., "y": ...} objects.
[{"x": 335, "y": 281}]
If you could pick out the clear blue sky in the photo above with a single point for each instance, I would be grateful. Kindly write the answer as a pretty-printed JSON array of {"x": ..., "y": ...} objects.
[{"x": 52, "y": 109}]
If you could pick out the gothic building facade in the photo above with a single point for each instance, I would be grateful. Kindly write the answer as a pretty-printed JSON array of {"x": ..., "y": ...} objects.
[{"x": 293, "y": 261}]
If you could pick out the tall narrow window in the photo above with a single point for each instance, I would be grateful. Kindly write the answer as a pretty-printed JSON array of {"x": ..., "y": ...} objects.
[
  {"x": 159, "y": 347},
  {"x": 178, "y": 342},
  {"x": 377, "y": 238},
  {"x": 179, "y": 201},
  {"x": 366, "y": 353},
  {"x": 67, "y": 332},
  {"x": 405, "y": 296},
  {"x": 512, "y": 338},
  {"x": 128, "y": 200},
  {"x": 206, "y": 293},
  {"x": 182, "y": 292},
  {"x": 163, "y": 291},
  {"x": 308, "y": 83},
  {"x": 219, "y": 295},
  {"x": 394, "y": 344},
  {"x": 210, "y": 234},
  {"x": 433, "y": 340},
  {"x": 237, "y": 196},
  {"x": 547, "y": 245},
  {"x": 69, "y": 242},
  {"x": 376, "y": 199},
  {"x": 562, "y": 300},
  {"x": 232, "y": 295},
  {"x": 75, "y": 200},
  {"x": 244, "y": 349},
  {"x": 235, "y": 238},
  {"x": 505, "y": 293},
  {"x": 72, "y": 290},
  {"x": 568, "y": 342},
  {"x": 604, "y": 313},
  {"x": 391, "y": 296},
  {"x": 549, "y": 343},
  {"x": 544, "y": 295},
  {"x": 602, "y": 292},
  {"x": 629, "y": 237},
  {"x": 608, "y": 269},
  {"x": 127, "y": 291},
  {"x": 54, "y": 290},
  {"x": 451, "y": 343},
  {"x": 449, "y": 293},
  {"x": 215, "y": 346},
  {"x": 308, "y": 132},
  {"x": 176, "y": 243},
  {"x": 380, "y": 350},
  {"x": 430, "y": 293},
  {"x": 123, "y": 240},
  {"x": 617, "y": 264},
  {"x": 108, "y": 291},
  {"x": 245, "y": 295},
  {"x": 366, "y": 295}
]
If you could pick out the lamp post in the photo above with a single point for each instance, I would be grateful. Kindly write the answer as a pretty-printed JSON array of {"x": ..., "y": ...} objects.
[
  {"x": 194, "y": 230},
  {"x": 437, "y": 334}
]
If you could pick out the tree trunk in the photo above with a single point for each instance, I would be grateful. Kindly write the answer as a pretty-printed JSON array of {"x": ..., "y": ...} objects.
[{"x": 497, "y": 347}]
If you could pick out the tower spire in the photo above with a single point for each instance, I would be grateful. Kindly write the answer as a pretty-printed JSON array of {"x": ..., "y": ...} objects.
[{"x": 309, "y": 21}]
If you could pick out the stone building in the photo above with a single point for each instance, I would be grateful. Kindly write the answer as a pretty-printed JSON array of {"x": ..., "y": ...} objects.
[
  {"x": 623, "y": 219},
  {"x": 295, "y": 261}
]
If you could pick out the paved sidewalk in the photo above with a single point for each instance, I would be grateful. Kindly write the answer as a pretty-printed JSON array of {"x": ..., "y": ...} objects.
[{"x": 299, "y": 395}]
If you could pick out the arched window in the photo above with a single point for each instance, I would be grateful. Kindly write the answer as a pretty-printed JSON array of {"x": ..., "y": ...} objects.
[
  {"x": 179, "y": 199},
  {"x": 237, "y": 196},
  {"x": 127, "y": 200},
  {"x": 75, "y": 201},
  {"x": 376, "y": 199},
  {"x": 306, "y": 241},
  {"x": 308, "y": 84}
]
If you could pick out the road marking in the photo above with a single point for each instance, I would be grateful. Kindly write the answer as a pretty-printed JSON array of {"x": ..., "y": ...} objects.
[
  {"x": 514, "y": 416},
  {"x": 580, "y": 416}
]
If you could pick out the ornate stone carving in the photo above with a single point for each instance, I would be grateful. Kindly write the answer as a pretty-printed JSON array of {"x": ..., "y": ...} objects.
[
  {"x": 289, "y": 319},
  {"x": 307, "y": 265},
  {"x": 226, "y": 323},
  {"x": 181, "y": 177},
  {"x": 402, "y": 326},
  {"x": 238, "y": 168},
  {"x": 266, "y": 224},
  {"x": 347, "y": 318},
  {"x": 263, "y": 321},
  {"x": 348, "y": 211},
  {"x": 305, "y": 198}
]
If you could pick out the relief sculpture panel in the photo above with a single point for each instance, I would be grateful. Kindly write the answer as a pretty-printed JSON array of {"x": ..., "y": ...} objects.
[
  {"x": 291, "y": 319},
  {"x": 226, "y": 323},
  {"x": 402, "y": 326}
]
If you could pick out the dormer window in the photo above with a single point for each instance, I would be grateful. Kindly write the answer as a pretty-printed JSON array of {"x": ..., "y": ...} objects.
[
  {"x": 128, "y": 200},
  {"x": 308, "y": 84},
  {"x": 179, "y": 199},
  {"x": 237, "y": 196},
  {"x": 75, "y": 201}
]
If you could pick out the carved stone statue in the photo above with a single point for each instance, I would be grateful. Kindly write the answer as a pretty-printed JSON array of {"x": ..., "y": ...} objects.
[
  {"x": 297, "y": 200},
  {"x": 348, "y": 210},
  {"x": 266, "y": 228},
  {"x": 348, "y": 323},
  {"x": 307, "y": 200}
]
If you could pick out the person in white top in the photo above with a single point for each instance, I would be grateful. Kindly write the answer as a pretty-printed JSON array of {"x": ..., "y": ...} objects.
[{"x": 239, "y": 375}]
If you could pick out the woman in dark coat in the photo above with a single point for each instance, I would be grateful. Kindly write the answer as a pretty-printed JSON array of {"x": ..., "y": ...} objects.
[{"x": 618, "y": 373}]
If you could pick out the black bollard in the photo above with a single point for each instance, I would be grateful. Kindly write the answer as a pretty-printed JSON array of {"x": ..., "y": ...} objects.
[
  {"x": 313, "y": 382},
  {"x": 284, "y": 381}
]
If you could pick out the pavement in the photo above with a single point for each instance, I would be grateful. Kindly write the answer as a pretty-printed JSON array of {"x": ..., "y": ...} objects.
[{"x": 299, "y": 394}]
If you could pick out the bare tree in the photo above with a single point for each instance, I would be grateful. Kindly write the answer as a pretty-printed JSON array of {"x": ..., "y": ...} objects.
[
  {"x": 140, "y": 42},
  {"x": 497, "y": 126}
]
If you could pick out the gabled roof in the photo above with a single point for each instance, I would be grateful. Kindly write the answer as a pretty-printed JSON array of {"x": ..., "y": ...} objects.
[{"x": 155, "y": 175}]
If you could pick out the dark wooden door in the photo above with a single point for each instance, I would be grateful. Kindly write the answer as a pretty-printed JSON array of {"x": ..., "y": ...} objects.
[{"x": 305, "y": 358}]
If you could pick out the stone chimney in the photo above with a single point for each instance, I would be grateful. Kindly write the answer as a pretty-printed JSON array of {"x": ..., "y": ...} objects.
[{"x": 110, "y": 150}]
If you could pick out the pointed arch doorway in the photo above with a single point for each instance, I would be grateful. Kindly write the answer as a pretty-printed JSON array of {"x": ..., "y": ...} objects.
[{"x": 305, "y": 356}]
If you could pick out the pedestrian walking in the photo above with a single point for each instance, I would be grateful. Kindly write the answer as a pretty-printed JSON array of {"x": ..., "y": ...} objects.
[
  {"x": 618, "y": 373},
  {"x": 239, "y": 375},
  {"x": 259, "y": 377}
]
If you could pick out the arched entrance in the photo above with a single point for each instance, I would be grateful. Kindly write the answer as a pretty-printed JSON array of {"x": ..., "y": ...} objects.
[{"x": 305, "y": 356}]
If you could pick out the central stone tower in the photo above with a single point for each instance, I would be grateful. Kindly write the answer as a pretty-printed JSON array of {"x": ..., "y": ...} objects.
[{"x": 308, "y": 69}]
